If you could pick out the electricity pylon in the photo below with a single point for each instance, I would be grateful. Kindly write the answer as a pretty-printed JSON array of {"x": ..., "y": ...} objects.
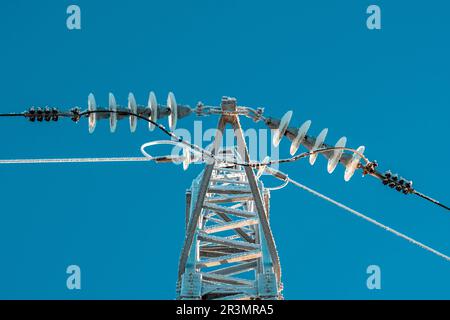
[{"x": 229, "y": 250}]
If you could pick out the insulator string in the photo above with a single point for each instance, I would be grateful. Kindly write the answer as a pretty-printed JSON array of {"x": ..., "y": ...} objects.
[{"x": 75, "y": 115}]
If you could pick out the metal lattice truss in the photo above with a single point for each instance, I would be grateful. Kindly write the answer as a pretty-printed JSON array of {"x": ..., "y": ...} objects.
[{"x": 229, "y": 251}]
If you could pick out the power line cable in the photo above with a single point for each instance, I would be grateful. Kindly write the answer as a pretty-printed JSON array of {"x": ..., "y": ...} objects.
[
  {"x": 74, "y": 160},
  {"x": 372, "y": 221}
]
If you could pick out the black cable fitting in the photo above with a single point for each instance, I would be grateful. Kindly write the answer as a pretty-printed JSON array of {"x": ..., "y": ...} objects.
[
  {"x": 388, "y": 174},
  {"x": 394, "y": 181},
  {"x": 199, "y": 109},
  {"x": 370, "y": 167},
  {"x": 39, "y": 114},
  {"x": 47, "y": 116},
  {"x": 259, "y": 113},
  {"x": 55, "y": 114},
  {"x": 75, "y": 114},
  {"x": 31, "y": 114}
]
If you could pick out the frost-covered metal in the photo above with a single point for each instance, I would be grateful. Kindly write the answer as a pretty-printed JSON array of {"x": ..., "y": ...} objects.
[{"x": 229, "y": 250}]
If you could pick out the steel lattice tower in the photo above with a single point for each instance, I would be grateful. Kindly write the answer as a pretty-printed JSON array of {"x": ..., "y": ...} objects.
[{"x": 229, "y": 251}]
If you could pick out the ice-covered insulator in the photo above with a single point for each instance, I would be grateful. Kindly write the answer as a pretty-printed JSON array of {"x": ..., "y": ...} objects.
[
  {"x": 186, "y": 158},
  {"x": 153, "y": 106},
  {"x": 317, "y": 145},
  {"x": 113, "y": 113},
  {"x": 337, "y": 154},
  {"x": 173, "y": 116},
  {"x": 92, "y": 107},
  {"x": 301, "y": 134},
  {"x": 132, "y": 107},
  {"x": 284, "y": 123},
  {"x": 353, "y": 164}
]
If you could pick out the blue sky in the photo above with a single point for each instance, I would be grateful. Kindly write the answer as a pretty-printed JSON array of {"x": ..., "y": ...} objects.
[{"x": 123, "y": 224}]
